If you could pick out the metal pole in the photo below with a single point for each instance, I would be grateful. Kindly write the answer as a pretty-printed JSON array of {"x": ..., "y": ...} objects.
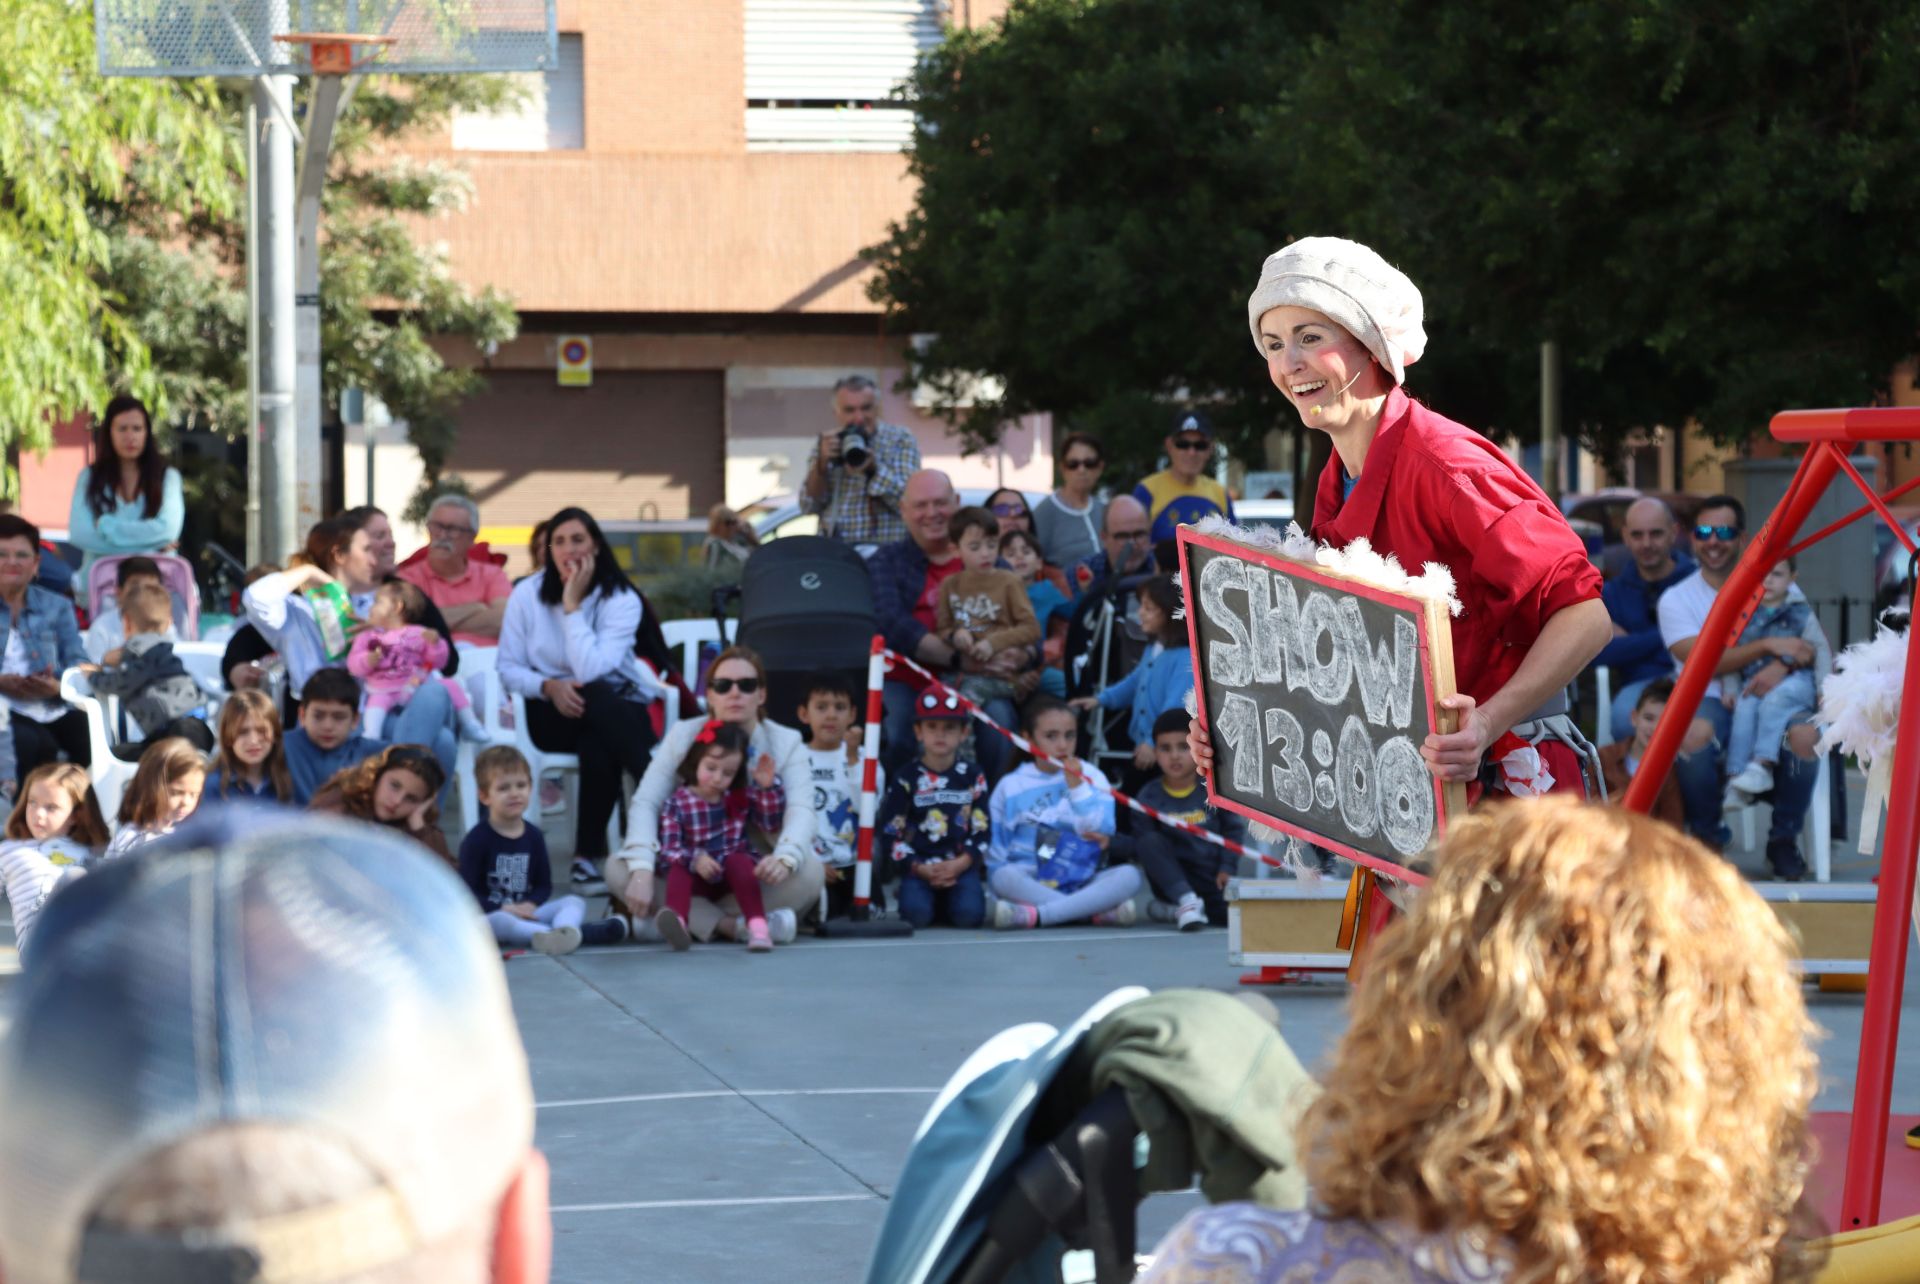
[
  {"x": 280, "y": 527},
  {"x": 322, "y": 112},
  {"x": 1550, "y": 419},
  {"x": 254, "y": 554}
]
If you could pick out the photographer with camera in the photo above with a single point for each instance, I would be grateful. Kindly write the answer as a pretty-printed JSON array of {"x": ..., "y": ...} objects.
[{"x": 857, "y": 471}]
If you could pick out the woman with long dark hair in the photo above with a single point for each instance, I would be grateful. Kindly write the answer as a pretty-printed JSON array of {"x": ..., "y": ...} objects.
[
  {"x": 567, "y": 645},
  {"x": 127, "y": 500}
]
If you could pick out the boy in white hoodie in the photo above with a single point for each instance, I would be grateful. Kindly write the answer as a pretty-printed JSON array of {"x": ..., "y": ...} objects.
[{"x": 1038, "y": 810}]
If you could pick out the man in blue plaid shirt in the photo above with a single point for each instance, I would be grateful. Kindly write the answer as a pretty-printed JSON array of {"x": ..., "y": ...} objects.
[{"x": 859, "y": 499}]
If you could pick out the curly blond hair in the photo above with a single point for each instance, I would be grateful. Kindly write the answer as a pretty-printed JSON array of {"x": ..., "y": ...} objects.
[{"x": 1587, "y": 1039}]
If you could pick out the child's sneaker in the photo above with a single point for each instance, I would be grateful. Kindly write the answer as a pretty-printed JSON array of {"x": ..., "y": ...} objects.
[
  {"x": 1193, "y": 914},
  {"x": 471, "y": 728},
  {"x": 1162, "y": 912},
  {"x": 561, "y": 940},
  {"x": 758, "y": 939},
  {"x": 611, "y": 930},
  {"x": 1125, "y": 914},
  {"x": 673, "y": 931},
  {"x": 782, "y": 925},
  {"x": 586, "y": 873},
  {"x": 1010, "y": 915},
  {"x": 1755, "y": 778}
]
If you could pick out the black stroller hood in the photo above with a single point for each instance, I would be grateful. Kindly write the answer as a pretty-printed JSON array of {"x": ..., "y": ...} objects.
[{"x": 805, "y": 604}]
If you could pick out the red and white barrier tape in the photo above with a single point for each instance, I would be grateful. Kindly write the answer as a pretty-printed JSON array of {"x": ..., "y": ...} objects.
[{"x": 882, "y": 656}]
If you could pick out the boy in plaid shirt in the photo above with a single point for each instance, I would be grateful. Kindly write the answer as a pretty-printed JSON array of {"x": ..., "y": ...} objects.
[{"x": 703, "y": 832}]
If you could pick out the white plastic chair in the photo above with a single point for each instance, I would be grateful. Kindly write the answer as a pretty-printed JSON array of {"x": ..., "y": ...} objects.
[
  {"x": 109, "y": 774},
  {"x": 480, "y": 674}
]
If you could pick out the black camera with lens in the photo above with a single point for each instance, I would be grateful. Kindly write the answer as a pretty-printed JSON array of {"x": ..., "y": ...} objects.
[{"x": 855, "y": 450}]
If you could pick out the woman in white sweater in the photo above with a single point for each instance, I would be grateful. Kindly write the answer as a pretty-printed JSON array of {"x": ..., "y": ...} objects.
[
  {"x": 790, "y": 874},
  {"x": 566, "y": 644}
]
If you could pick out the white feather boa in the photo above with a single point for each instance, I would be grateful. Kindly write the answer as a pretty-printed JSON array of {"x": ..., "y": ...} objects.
[{"x": 1860, "y": 715}]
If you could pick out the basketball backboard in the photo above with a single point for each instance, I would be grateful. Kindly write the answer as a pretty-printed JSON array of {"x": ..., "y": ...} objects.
[{"x": 241, "y": 37}]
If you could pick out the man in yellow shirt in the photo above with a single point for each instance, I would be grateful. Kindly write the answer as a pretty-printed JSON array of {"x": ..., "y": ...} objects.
[{"x": 1182, "y": 493}]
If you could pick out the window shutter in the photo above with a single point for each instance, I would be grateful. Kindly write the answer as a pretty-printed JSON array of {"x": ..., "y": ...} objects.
[{"x": 820, "y": 73}]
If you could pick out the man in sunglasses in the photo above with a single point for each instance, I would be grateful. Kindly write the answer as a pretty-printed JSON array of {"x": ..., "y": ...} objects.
[
  {"x": 1637, "y": 655},
  {"x": 1718, "y": 539},
  {"x": 1182, "y": 493}
]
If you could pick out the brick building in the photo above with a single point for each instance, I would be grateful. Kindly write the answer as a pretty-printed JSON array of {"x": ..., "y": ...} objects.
[{"x": 690, "y": 191}]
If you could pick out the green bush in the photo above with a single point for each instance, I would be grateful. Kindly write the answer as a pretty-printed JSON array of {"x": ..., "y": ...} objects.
[{"x": 687, "y": 592}]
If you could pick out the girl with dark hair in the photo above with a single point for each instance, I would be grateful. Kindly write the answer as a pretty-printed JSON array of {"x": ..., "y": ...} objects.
[
  {"x": 396, "y": 788},
  {"x": 127, "y": 500},
  {"x": 567, "y": 645}
]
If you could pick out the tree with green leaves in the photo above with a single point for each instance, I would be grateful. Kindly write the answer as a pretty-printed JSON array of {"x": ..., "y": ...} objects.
[
  {"x": 384, "y": 295},
  {"x": 71, "y": 141},
  {"x": 1091, "y": 214},
  {"x": 1709, "y": 206}
]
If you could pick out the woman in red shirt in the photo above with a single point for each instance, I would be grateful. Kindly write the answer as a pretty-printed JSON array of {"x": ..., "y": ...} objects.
[{"x": 1337, "y": 326}]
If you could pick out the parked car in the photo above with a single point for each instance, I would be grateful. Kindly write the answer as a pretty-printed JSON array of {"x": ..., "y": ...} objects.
[
  {"x": 1277, "y": 513},
  {"x": 779, "y": 516}
]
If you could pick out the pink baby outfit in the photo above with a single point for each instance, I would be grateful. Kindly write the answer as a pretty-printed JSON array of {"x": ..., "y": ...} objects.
[{"x": 407, "y": 657}]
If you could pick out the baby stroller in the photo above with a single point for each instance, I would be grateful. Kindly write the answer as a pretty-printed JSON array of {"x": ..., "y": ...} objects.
[
  {"x": 1033, "y": 1147},
  {"x": 806, "y": 604},
  {"x": 175, "y": 572}
]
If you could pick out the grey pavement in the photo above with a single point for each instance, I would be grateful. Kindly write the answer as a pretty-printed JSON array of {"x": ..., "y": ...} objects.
[{"x": 715, "y": 1116}]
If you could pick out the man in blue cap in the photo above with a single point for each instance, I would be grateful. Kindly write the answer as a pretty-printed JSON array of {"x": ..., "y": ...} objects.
[{"x": 270, "y": 1050}]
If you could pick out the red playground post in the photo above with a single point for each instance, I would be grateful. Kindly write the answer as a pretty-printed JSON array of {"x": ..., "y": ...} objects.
[{"x": 1826, "y": 434}]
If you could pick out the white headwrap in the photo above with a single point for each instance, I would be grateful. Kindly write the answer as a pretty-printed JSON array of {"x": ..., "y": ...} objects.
[{"x": 1354, "y": 286}]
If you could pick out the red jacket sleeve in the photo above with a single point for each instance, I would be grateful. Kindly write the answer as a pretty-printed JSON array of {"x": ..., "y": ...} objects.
[{"x": 1525, "y": 562}]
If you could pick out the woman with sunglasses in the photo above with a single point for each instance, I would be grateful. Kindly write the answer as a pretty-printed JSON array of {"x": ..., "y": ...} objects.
[
  {"x": 790, "y": 874},
  {"x": 1009, "y": 508},
  {"x": 1068, "y": 521},
  {"x": 1337, "y": 326},
  {"x": 566, "y": 645}
]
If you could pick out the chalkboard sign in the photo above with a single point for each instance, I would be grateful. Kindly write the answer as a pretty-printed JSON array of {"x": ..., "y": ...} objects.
[{"x": 1318, "y": 691}]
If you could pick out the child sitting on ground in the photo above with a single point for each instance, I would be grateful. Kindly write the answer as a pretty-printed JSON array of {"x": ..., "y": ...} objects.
[
  {"x": 983, "y": 610},
  {"x": 1052, "y": 824},
  {"x": 935, "y": 825},
  {"x": 1188, "y": 874},
  {"x": 165, "y": 790},
  {"x": 252, "y": 762},
  {"x": 703, "y": 832},
  {"x": 835, "y": 757},
  {"x": 325, "y": 743},
  {"x": 396, "y": 654},
  {"x": 154, "y": 687},
  {"x": 53, "y": 831},
  {"x": 1620, "y": 761},
  {"x": 396, "y": 787},
  {"x": 108, "y": 632},
  {"x": 1162, "y": 678},
  {"x": 504, "y": 861},
  {"x": 1761, "y": 719},
  {"x": 1051, "y": 608}
]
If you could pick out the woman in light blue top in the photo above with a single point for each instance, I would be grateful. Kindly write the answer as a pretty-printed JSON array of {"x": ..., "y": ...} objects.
[{"x": 128, "y": 500}]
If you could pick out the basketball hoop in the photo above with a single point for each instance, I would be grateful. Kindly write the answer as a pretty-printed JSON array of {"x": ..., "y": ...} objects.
[{"x": 330, "y": 53}]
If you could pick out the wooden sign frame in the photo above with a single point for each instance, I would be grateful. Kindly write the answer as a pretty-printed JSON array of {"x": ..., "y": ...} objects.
[{"x": 1434, "y": 636}]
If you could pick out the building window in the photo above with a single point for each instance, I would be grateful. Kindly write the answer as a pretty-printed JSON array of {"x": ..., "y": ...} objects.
[
  {"x": 821, "y": 74},
  {"x": 551, "y": 115}
]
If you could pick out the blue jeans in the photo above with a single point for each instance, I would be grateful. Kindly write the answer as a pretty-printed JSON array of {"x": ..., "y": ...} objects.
[
  {"x": 1703, "y": 781},
  {"x": 1759, "y": 721},
  {"x": 965, "y": 902},
  {"x": 427, "y": 720},
  {"x": 899, "y": 750}
]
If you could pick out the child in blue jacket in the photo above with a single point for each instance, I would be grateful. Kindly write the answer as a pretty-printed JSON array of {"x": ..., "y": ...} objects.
[
  {"x": 1162, "y": 678},
  {"x": 1040, "y": 811}
]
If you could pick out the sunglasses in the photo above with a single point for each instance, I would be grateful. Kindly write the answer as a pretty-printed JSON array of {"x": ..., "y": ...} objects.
[
  {"x": 1009, "y": 510},
  {"x": 1080, "y": 465},
  {"x": 722, "y": 686},
  {"x": 1722, "y": 533},
  {"x": 1193, "y": 443}
]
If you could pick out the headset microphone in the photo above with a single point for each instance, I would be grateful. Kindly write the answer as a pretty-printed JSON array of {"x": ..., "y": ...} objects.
[{"x": 1341, "y": 390}]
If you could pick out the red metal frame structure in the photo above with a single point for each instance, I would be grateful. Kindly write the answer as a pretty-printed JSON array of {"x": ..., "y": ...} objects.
[{"x": 1826, "y": 433}]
